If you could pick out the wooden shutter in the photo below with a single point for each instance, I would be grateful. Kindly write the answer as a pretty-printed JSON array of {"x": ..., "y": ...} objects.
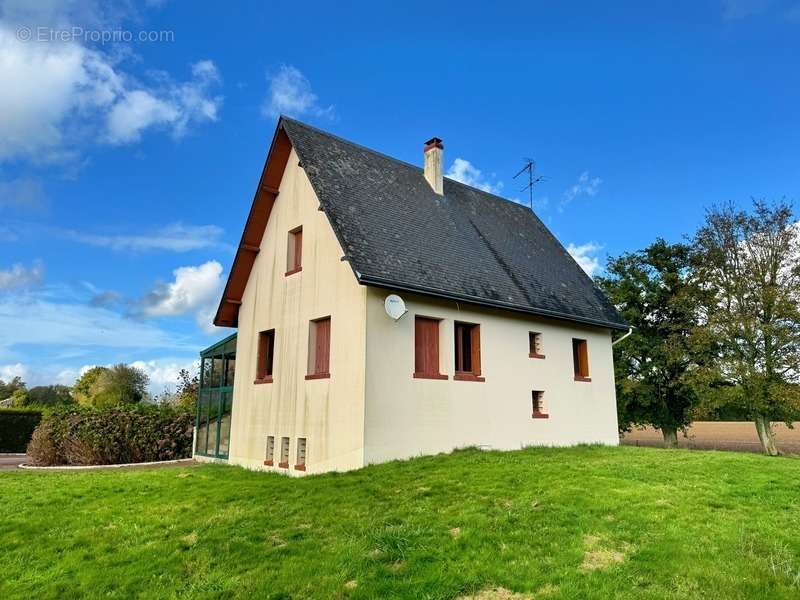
[
  {"x": 426, "y": 347},
  {"x": 475, "y": 342},
  {"x": 580, "y": 359},
  {"x": 298, "y": 248},
  {"x": 270, "y": 352},
  {"x": 294, "y": 253},
  {"x": 323, "y": 347}
]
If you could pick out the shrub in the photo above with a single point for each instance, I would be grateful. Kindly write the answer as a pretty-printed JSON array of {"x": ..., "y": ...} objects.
[
  {"x": 16, "y": 427},
  {"x": 112, "y": 435}
]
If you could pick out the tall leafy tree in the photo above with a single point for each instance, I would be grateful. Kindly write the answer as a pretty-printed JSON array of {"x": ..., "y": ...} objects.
[
  {"x": 7, "y": 389},
  {"x": 82, "y": 388},
  {"x": 109, "y": 386},
  {"x": 655, "y": 294},
  {"x": 749, "y": 262}
]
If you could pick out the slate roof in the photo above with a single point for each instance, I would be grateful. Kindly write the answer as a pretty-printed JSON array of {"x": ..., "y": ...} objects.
[{"x": 466, "y": 245}]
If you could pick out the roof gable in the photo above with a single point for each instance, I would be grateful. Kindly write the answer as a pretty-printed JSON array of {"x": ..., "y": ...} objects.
[{"x": 396, "y": 232}]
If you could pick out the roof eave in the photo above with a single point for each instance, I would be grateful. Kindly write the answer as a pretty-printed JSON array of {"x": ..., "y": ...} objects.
[
  {"x": 371, "y": 280},
  {"x": 227, "y": 314}
]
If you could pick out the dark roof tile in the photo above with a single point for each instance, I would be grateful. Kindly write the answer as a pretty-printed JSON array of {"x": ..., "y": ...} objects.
[{"x": 467, "y": 244}]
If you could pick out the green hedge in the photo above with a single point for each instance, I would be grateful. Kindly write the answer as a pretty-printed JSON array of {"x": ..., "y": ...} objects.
[
  {"x": 113, "y": 435},
  {"x": 16, "y": 428}
]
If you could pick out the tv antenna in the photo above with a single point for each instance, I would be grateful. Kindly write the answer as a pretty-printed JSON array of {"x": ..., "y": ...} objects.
[{"x": 533, "y": 179}]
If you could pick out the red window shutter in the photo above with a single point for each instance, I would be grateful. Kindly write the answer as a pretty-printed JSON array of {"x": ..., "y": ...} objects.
[
  {"x": 426, "y": 346},
  {"x": 294, "y": 251},
  {"x": 298, "y": 248},
  {"x": 323, "y": 346},
  {"x": 476, "y": 349},
  {"x": 580, "y": 358}
]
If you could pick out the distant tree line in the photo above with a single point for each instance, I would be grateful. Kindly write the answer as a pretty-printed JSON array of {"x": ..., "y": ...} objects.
[
  {"x": 716, "y": 324},
  {"x": 101, "y": 388}
]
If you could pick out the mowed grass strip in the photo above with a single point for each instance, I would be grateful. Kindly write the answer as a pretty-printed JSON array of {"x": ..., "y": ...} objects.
[{"x": 585, "y": 522}]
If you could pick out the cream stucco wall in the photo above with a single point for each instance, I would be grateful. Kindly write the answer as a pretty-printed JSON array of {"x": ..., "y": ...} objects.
[
  {"x": 407, "y": 417},
  {"x": 328, "y": 412}
]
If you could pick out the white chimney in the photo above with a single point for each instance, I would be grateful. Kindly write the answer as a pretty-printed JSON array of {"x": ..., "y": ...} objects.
[{"x": 434, "y": 151}]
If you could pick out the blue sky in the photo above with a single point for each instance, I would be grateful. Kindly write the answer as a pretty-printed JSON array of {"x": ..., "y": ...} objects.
[{"x": 127, "y": 167}]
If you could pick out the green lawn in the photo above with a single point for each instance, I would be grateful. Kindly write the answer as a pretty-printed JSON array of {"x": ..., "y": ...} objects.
[{"x": 574, "y": 523}]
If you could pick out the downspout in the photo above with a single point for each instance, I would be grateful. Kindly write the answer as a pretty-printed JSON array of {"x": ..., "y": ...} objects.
[{"x": 615, "y": 342}]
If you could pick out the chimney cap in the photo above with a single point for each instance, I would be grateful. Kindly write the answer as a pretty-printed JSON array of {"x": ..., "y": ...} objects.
[{"x": 434, "y": 142}]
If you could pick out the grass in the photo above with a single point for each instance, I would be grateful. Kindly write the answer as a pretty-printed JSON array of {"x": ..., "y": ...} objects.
[{"x": 585, "y": 522}]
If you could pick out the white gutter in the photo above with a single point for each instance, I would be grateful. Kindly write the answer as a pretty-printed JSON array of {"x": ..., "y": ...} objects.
[{"x": 615, "y": 342}]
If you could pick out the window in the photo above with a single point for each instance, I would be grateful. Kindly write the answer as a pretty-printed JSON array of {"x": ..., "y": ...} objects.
[
  {"x": 426, "y": 348},
  {"x": 270, "y": 450},
  {"x": 580, "y": 360},
  {"x": 230, "y": 369},
  {"x": 294, "y": 251},
  {"x": 535, "y": 345},
  {"x": 215, "y": 399},
  {"x": 538, "y": 405},
  {"x": 301, "y": 454},
  {"x": 266, "y": 353},
  {"x": 467, "y": 352},
  {"x": 284, "y": 464},
  {"x": 319, "y": 349}
]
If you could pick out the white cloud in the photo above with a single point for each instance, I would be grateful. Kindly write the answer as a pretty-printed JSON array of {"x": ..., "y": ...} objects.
[
  {"x": 465, "y": 172},
  {"x": 195, "y": 289},
  {"x": 19, "y": 276},
  {"x": 586, "y": 256},
  {"x": 290, "y": 94},
  {"x": 163, "y": 373},
  {"x": 60, "y": 94},
  {"x": 174, "y": 106},
  {"x": 585, "y": 186},
  {"x": 176, "y": 237},
  {"x": 65, "y": 376},
  {"x": 8, "y": 372}
]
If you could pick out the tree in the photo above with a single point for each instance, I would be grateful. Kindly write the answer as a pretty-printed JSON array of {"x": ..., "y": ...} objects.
[
  {"x": 50, "y": 395},
  {"x": 184, "y": 398},
  {"x": 20, "y": 398},
  {"x": 654, "y": 293},
  {"x": 7, "y": 389},
  {"x": 82, "y": 389},
  {"x": 750, "y": 264},
  {"x": 187, "y": 390},
  {"x": 109, "y": 386}
]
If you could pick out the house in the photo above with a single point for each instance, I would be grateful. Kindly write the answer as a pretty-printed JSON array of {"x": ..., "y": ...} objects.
[{"x": 506, "y": 342}]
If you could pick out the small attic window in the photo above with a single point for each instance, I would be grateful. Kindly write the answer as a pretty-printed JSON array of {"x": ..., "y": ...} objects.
[
  {"x": 467, "y": 338},
  {"x": 270, "y": 453},
  {"x": 265, "y": 357},
  {"x": 284, "y": 464},
  {"x": 294, "y": 251},
  {"x": 300, "y": 465},
  {"x": 580, "y": 359},
  {"x": 535, "y": 345},
  {"x": 539, "y": 412}
]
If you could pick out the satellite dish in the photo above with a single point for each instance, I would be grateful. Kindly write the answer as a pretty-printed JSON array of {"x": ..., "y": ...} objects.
[{"x": 395, "y": 307}]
